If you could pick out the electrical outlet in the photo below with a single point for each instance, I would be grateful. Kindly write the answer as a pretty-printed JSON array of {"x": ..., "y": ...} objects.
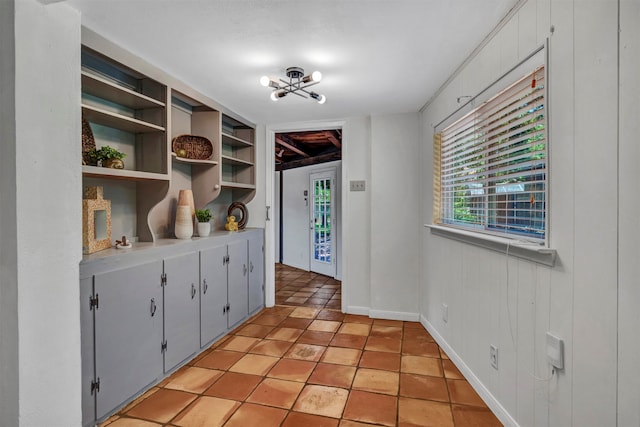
[
  {"x": 493, "y": 356},
  {"x": 357, "y": 185},
  {"x": 555, "y": 351},
  {"x": 445, "y": 313}
]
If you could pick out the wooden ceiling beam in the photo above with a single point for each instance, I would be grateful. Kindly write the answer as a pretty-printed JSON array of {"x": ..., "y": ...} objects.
[
  {"x": 331, "y": 137},
  {"x": 291, "y": 146},
  {"x": 309, "y": 161}
]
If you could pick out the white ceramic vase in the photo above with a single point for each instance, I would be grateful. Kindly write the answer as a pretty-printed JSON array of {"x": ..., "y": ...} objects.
[
  {"x": 184, "y": 222},
  {"x": 204, "y": 228}
]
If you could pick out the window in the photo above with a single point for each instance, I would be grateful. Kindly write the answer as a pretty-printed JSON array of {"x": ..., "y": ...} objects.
[{"x": 491, "y": 165}]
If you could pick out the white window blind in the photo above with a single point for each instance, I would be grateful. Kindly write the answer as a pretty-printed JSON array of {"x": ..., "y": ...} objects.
[{"x": 493, "y": 163}]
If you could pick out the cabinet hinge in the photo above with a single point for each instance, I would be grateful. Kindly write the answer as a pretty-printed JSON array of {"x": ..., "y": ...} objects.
[
  {"x": 95, "y": 386},
  {"x": 163, "y": 346},
  {"x": 94, "y": 302},
  {"x": 163, "y": 279}
]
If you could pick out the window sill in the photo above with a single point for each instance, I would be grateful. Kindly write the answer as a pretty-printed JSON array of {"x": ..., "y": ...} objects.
[{"x": 528, "y": 251}]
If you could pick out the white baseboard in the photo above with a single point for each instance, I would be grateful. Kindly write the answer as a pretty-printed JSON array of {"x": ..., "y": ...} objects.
[
  {"x": 493, "y": 403},
  {"x": 394, "y": 315},
  {"x": 354, "y": 309}
]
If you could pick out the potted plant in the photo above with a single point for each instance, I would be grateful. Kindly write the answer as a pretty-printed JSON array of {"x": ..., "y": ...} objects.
[
  {"x": 107, "y": 156},
  {"x": 204, "y": 226}
]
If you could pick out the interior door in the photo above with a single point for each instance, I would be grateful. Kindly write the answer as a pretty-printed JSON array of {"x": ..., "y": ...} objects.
[{"x": 322, "y": 222}]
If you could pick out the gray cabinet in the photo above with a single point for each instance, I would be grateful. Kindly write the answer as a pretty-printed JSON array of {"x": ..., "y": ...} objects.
[
  {"x": 127, "y": 329},
  {"x": 144, "y": 312},
  {"x": 213, "y": 293},
  {"x": 181, "y": 309},
  {"x": 256, "y": 273},
  {"x": 237, "y": 282},
  {"x": 224, "y": 273}
]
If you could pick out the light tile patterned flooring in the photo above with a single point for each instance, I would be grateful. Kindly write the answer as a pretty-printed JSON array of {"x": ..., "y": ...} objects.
[
  {"x": 314, "y": 367},
  {"x": 303, "y": 288}
]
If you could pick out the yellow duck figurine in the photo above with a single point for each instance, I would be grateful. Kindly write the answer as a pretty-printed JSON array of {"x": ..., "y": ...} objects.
[{"x": 231, "y": 224}]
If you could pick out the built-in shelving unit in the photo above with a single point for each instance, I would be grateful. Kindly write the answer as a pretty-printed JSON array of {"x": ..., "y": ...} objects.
[
  {"x": 238, "y": 158},
  {"x": 138, "y": 109}
]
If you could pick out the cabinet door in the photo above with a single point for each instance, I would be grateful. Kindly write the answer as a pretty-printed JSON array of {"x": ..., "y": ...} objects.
[
  {"x": 213, "y": 294},
  {"x": 86, "y": 345},
  {"x": 237, "y": 283},
  {"x": 256, "y": 273},
  {"x": 181, "y": 308},
  {"x": 128, "y": 333}
]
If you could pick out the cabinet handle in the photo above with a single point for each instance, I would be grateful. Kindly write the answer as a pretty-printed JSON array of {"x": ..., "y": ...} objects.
[
  {"x": 250, "y": 267},
  {"x": 193, "y": 291},
  {"x": 244, "y": 269},
  {"x": 153, "y": 307},
  {"x": 204, "y": 286}
]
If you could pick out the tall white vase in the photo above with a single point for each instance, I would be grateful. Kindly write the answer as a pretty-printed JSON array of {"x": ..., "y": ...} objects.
[{"x": 184, "y": 222}]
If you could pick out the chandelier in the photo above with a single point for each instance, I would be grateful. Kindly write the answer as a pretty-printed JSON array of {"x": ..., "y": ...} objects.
[{"x": 297, "y": 84}]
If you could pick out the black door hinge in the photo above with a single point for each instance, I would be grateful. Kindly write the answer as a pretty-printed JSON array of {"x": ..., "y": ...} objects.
[
  {"x": 94, "y": 302},
  {"x": 163, "y": 279},
  {"x": 95, "y": 386},
  {"x": 163, "y": 346}
]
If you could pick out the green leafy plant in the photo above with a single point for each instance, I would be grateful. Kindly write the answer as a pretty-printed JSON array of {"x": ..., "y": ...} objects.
[
  {"x": 105, "y": 153},
  {"x": 203, "y": 215}
]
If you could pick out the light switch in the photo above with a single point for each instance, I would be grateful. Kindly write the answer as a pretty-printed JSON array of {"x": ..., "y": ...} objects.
[{"x": 357, "y": 185}]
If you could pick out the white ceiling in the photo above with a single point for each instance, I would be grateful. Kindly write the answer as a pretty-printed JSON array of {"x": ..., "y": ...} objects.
[{"x": 376, "y": 56}]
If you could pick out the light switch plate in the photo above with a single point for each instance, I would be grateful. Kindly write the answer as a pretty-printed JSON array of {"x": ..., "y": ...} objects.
[{"x": 357, "y": 185}]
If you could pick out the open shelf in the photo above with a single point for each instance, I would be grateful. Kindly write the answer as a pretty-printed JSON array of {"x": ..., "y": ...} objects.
[
  {"x": 131, "y": 175},
  {"x": 192, "y": 161},
  {"x": 234, "y": 141},
  {"x": 238, "y": 185},
  {"x": 236, "y": 162},
  {"x": 118, "y": 121},
  {"x": 111, "y": 91}
]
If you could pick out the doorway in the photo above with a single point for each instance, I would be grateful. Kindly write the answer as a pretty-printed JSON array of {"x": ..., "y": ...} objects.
[{"x": 331, "y": 236}]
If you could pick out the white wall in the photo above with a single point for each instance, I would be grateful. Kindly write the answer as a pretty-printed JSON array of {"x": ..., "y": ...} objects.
[
  {"x": 629, "y": 206},
  {"x": 42, "y": 184},
  {"x": 511, "y": 302},
  {"x": 395, "y": 216},
  {"x": 356, "y": 216},
  {"x": 295, "y": 214}
]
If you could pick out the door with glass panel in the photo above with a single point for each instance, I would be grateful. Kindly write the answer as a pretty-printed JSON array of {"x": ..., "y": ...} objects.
[{"x": 322, "y": 221}]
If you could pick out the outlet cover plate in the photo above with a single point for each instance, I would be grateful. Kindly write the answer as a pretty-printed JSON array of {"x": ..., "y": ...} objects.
[
  {"x": 445, "y": 313},
  {"x": 493, "y": 356},
  {"x": 555, "y": 351}
]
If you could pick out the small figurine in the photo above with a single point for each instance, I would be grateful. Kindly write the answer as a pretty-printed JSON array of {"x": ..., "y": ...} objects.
[
  {"x": 123, "y": 244},
  {"x": 231, "y": 224}
]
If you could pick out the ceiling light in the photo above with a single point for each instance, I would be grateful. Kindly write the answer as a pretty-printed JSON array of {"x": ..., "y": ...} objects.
[
  {"x": 275, "y": 95},
  {"x": 297, "y": 84},
  {"x": 320, "y": 98}
]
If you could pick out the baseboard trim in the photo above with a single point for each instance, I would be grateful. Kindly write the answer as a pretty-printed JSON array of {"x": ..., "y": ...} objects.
[
  {"x": 354, "y": 309},
  {"x": 499, "y": 410},
  {"x": 394, "y": 315}
]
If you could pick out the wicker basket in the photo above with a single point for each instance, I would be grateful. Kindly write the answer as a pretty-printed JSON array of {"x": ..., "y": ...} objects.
[
  {"x": 196, "y": 147},
  {"x": 88, "y": 142}
]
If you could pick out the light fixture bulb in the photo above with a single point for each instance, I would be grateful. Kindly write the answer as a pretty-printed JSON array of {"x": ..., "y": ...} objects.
[
  {"x": 320, "y": 98},
  {"x": 316, "y": 76},
  {"x": 264, "y": 81},
  {"x": 275, "y": 95}
]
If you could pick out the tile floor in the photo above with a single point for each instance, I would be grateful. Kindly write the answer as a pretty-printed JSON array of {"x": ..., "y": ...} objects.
[
  {"x": 313, "y": 367},
  {"x": 303, "y": 288}
]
